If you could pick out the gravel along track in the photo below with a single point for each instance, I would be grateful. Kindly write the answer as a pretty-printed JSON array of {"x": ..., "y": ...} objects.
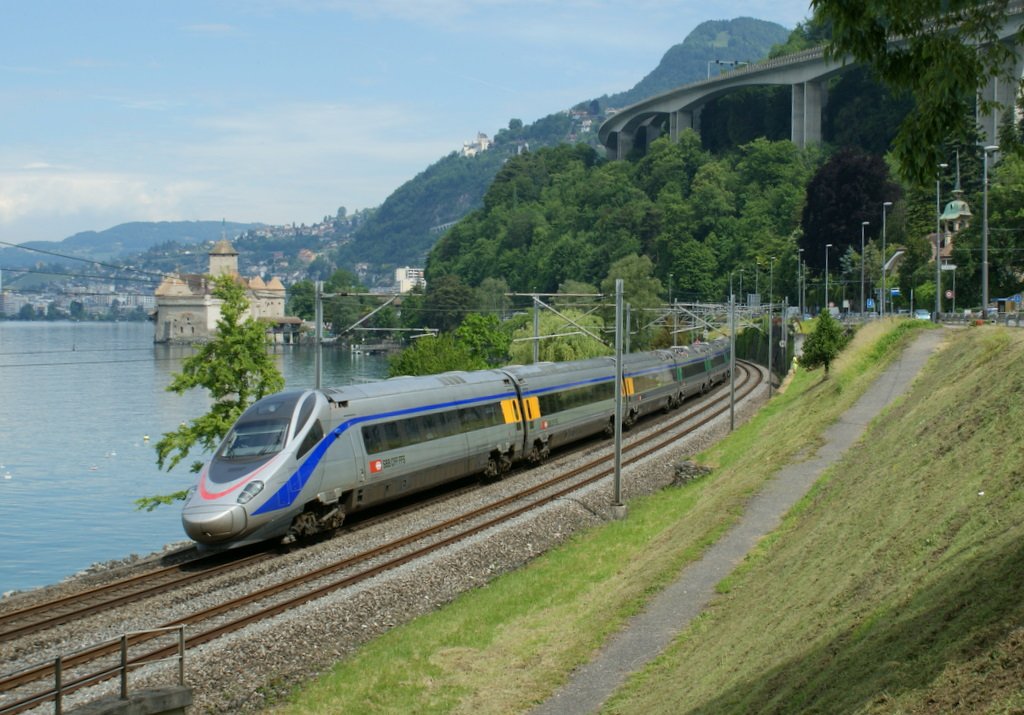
[{"x": 236, "y": 674}]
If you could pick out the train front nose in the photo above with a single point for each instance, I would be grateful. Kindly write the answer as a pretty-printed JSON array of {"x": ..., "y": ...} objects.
[{"x": 212, "y": 524}]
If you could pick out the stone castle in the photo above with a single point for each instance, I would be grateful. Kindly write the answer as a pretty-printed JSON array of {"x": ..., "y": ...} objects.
[{"x": 187, "y": 312}]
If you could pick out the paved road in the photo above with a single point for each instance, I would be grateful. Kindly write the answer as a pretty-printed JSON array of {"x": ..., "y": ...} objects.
[{"x": 647, "y": 634}]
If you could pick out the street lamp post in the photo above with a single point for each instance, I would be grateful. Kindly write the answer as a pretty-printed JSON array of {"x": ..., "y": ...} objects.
[
  {"x": 938, "y": 230},
  {"x": 675, "y": 327},
  {"x": 863, "y": 225},
  {"x": 984, "y": 236},
  {"x": 827, "y": 246},
  {"x": 733, "y": 63},
  {"x": 800, "y": 280},
  {"x": 885, "y": 289},
  {"x": 954, "y": 290}
]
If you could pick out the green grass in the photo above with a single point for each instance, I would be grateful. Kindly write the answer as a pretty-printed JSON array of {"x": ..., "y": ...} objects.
[
  {"x": 884, "y": 590},
  {"x": 897, "y": 585}
]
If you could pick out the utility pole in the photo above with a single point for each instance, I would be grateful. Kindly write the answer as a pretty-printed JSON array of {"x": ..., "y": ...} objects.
[
  {"x": 938, "y": 241},
  {"x": 618, "y": 508}
]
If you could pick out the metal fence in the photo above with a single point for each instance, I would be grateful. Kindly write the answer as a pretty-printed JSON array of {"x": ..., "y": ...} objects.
[{"x": 62, "y": 685}]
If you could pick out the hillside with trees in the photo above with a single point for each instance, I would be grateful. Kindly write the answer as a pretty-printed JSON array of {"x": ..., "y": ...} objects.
[{"x": 563, "y": 214}]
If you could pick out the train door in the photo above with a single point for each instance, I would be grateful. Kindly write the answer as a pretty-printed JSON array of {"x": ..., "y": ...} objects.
[{"x": 345, "y": 468}]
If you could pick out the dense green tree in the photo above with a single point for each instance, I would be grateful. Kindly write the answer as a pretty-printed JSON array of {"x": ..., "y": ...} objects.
[
  {"x": 641, "y": 290},
  {"x": 571, "y": 342},
  {"x": 1006, "y": 227},
  {"x": 446, "y": 303},
  {"x": 824, "y": 343},
  {"x": 55, "y": 312},
  {"x": 694, "y": 272},
  {"x": 491, "y": 298},
  {"x": 947, "y": 53},
  {"x": 863, "y": 113},
  {"x": 233, "y": 367},
  {"x": 302, "y": 300},
  {"x": 671, "y": 165},
  {"x": 433, "y": 355},
  {"x": 346, "y": 301},
  {"x": 483, "y": 337},
  {"x": 848, "y": 189}
]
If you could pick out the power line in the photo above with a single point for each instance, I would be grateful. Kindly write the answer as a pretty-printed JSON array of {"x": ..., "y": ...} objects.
[
  {"x": 89, "y": 362},
  {"x": 77, "y": 275},
  {"x": 74, "y": 350},
  {"x": 85, "y": 260}
]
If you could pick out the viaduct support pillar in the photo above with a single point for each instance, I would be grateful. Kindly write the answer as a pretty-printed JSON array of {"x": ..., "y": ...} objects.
[
  {"x": 623, "y": 145},
  {"x": 796, "y": 124},
  {"x": 677, "y": 122},
  {"x": 1004, "y": 93},
  {"x": 808, "y": 99}
]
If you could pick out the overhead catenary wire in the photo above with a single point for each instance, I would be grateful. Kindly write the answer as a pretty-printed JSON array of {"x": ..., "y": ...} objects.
[{"x": 112, "y": 266}]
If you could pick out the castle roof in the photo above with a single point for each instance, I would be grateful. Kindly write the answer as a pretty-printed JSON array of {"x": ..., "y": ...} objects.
[
  {"x": 223, "y": 247},
  {"x": 182, "y": 285}
]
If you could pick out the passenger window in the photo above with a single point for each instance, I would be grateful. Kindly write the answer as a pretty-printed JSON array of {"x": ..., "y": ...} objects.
[
  {"x": 315, "y": 434},
  {"x": 392, "y": 435},
  {"x": 304, "y": 412},
  {"x": 372, "y": 438}
]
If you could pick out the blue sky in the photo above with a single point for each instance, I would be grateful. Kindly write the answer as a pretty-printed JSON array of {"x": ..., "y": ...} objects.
[{"x": 275, "y": 111}]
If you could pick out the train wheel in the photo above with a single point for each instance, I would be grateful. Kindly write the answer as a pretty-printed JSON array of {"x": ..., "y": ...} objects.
[
  {"x": 629, "y": 420},
  {"x": 304, "y": 524},
  {"x": 492, "y": 470},
  {"x": 539, "y": 452}
]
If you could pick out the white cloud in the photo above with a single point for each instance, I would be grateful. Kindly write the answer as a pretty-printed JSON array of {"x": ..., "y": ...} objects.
[{"x": 39, "y": 195}]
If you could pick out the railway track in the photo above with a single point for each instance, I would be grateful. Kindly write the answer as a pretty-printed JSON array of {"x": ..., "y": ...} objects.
[{"x": 211, "y": 623}]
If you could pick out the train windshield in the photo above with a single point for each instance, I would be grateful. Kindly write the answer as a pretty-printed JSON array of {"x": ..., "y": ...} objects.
[{"x": 263, "y": 428}]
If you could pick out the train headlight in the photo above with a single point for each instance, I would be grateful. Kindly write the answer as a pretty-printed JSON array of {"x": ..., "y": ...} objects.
[{"x": 251, "y": 489}]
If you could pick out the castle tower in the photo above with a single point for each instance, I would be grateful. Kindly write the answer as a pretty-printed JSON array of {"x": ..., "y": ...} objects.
[{"x": 223, "y": 259}]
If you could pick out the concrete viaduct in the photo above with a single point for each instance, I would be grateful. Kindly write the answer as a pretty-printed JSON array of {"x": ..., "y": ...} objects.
[{"x": 807, "y": 73}]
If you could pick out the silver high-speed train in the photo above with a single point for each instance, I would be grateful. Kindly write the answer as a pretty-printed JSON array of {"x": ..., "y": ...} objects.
[{"x": 297, "y": 462}]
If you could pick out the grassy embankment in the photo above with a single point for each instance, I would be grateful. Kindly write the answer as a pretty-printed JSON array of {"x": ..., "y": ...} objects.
[{"x": 896, "y": 585}]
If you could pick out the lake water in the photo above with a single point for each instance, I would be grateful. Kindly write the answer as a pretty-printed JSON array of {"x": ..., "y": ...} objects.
[{"x": 82, "y": 406}]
